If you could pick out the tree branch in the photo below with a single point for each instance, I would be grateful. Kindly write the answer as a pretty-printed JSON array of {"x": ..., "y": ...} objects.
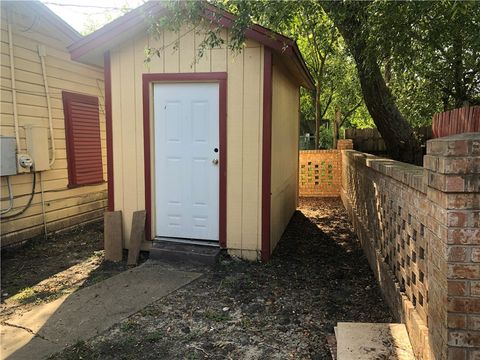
[
  {"x": 329, "y": 101},
  {"x": 349, "y": 113}
]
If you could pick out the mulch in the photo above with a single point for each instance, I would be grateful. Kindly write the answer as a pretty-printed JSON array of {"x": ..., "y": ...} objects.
[{"x": 284, "y": 309}]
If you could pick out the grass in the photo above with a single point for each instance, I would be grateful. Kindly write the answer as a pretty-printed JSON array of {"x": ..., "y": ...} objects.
[
  {"x": 81, "y": 350},
  {"x": 195, "y": 355},
  {"x": 29, "y": 295},
  {"x": 129, "y": 325},
  {"x": 153, "y": 336},
  {"x": 150, "y": 311},
  {"x": 246, "y": 323},
  {"x": 192, "y": 335},
  {"x": 26, "y": 295},
  {"x": 216, "y": 316}
]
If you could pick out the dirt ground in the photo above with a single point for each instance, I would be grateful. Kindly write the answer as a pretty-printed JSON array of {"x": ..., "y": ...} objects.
[
  {"x": 42, "y": 270},
  {"x": 317, "y": 277}
]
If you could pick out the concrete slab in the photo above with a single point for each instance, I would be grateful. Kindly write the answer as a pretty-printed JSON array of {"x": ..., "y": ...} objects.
[
  {"x": 364, "y": 341},
  {"x": 51, "y": 327}
]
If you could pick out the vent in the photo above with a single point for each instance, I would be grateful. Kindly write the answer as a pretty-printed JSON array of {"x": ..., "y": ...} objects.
[{"x": 84, "y": 149}]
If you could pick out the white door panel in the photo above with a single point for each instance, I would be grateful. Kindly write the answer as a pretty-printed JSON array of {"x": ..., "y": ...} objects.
[{"x": 186, "y": 127}]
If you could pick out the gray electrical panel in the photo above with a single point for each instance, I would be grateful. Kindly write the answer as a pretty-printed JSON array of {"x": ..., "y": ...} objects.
[{"x": 8, "y": 164}]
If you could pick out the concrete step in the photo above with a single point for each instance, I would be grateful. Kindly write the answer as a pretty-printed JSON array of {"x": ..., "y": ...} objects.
[
  {"x": 365, "y": 341},
  {"x": 184, "y": 253}
]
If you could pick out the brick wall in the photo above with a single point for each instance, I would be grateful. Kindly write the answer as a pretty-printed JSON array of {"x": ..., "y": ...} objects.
[
  {"x": 419, "y": 228},
  {"x": 320, "y": 171}
]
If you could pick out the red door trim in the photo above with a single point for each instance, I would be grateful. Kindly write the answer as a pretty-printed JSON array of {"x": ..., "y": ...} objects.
[
  {"x": 221, "y": 79},
  {"x": 266, "y": 153},
  {"x": 107, "y": 76}
]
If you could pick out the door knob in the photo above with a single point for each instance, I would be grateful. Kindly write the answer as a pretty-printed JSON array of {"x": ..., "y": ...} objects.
[{"x": 215, "y": 161}]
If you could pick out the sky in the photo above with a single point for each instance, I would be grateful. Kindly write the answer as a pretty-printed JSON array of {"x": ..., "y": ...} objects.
[{"x": 81, "y": 13}]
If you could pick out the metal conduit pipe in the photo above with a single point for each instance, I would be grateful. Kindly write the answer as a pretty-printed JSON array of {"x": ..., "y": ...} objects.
[
  {"x": 42, "y": 53},
  {"x": 43, "y": 206},
  {"x": 10, "y": 198},
  {"x": 20, "y": 212},
  {"x": 14, "y": 88}
]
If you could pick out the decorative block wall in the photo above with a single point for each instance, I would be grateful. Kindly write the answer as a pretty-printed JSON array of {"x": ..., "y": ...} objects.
[
  {"x": 419, "y": 228},
  {"x": 320, "y": 171}
]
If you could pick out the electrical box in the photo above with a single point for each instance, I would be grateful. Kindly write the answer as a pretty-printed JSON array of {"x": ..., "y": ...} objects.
[
  {"x": 37, "y": 146},
  {"x": 8, "y": 164},
  {"x": 24, "y": 163}
]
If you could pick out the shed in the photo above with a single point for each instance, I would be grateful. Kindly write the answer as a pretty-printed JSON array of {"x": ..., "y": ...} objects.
[
  {"x": 66, "y": 185},
  {"x": 210, "y": 147}
]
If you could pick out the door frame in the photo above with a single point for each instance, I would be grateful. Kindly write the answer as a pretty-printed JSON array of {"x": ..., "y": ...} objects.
[{"x": 147, "y": 84}]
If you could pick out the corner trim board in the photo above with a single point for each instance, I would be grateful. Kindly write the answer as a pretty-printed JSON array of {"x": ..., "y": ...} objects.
[
  {"x": 221, "y": 79},
  {"x": 266, "y": 153},
  {"x": 108, "y": 124}
]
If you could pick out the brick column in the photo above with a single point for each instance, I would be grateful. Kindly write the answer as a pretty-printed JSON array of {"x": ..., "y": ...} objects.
[
  {"x": 345, "y": 144},
  {"x": 452, "y": 176}
]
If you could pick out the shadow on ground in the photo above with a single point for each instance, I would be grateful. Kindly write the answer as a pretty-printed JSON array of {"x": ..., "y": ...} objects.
[
  {"x": 317, "y": 277},
  {"x": 38, "y": 259},
  {"x": 42, "y": 270}
]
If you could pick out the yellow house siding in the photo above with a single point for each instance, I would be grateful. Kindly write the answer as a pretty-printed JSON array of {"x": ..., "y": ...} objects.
[
  {"x": 64, "y": 206},
  {"x": 285, "y": 127},
  {"x": 244, "y": 124}
]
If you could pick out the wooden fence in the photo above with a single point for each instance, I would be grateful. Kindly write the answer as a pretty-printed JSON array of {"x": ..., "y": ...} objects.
[
  {"x": 457, "y": 121},
  {"x": 366, "y": 140},
  {"x": 370, "y": 141}
]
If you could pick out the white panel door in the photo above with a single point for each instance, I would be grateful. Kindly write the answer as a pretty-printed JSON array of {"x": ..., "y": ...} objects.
[{"x": 186, "y": 127}]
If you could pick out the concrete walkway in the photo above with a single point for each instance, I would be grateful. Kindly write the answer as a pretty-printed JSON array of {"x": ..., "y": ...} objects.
[
  {"x": 51, "y": 327},
  {"x": 366, "y": 341}
]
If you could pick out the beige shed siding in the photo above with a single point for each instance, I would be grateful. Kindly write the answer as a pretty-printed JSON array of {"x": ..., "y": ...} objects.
[
  {"x": 244, "y": 124},
  {"x": 285, "y": 127},
  {"x": 64, "y": 207}
]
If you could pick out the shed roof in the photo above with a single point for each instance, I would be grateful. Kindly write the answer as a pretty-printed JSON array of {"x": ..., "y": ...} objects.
[
  {"x": 38, "y": 8},
  {"x": 90, "y": 49}
]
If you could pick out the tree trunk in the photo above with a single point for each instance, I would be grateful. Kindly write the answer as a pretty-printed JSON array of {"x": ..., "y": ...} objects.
[
  {"x": 318, "y": 114},
  {"x": 351, "y": 19},
  {"x": 335, "y": 128},
  {"x": 461, "y": 98}
]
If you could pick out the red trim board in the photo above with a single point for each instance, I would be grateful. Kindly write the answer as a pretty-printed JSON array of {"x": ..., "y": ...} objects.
[
  {"x": 130, "y": 22},
  {"x": 221, "y": 78},
  {"x": 108, "y": 122},
  {"x": 266, "y": 153}
]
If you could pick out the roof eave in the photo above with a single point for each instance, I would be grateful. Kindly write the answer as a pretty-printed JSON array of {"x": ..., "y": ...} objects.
[
  {"x": 57, "y": 21},
  {"x": 103, "y": 36}
]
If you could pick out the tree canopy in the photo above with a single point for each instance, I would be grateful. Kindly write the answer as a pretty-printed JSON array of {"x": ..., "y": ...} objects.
[
  {"x": 394, "y": 62},
  {"x": 430, "y": 53}
]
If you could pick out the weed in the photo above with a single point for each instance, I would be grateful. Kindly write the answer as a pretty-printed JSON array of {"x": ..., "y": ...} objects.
[
  {"x": 194, "y": 355},
  {"x": 192, "y": 335},
  {"x": 79, "y": 350},
  {"x": 153, "y": 336},
  {"x": 216, "y": 316},
  {"x": 24, "y": 296},
  {"x": 246, "y": 323},
  {"x": 129, "y": 325},
  {"x": 150, "y": 311}
]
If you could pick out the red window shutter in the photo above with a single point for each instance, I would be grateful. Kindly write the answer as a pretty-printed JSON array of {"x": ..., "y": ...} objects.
[{"x": 82, "y": 133}]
